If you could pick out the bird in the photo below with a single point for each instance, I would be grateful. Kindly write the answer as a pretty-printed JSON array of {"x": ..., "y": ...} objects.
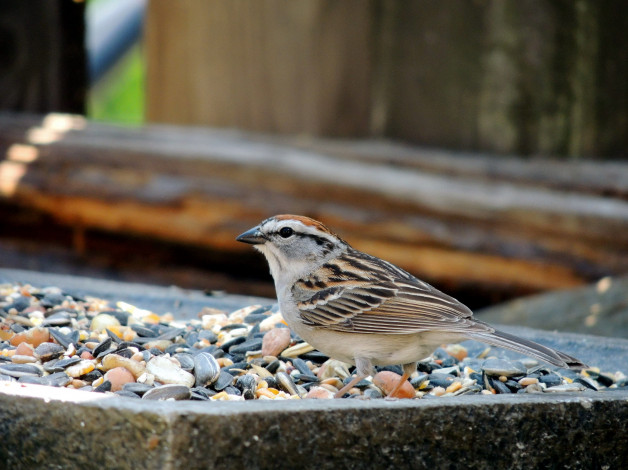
[{"x": 363, "y": 310}]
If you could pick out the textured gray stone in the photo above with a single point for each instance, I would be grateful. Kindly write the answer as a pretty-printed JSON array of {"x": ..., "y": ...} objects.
[
  {"x": 42, "y": 427},
  {"x": 583, "y": 430},
  {"x": 598, "y": 309},
  {"x": 610, "y": 354}
]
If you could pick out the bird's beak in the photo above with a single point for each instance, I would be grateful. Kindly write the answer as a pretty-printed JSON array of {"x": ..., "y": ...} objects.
[{"x": 253, "y": 236}]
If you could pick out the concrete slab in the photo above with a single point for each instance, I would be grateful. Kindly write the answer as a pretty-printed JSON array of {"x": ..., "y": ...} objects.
[
  {"x": 586, "y": 430},
  {"x": 42, "y": 427},
  {"x": 597, "y": 309}
]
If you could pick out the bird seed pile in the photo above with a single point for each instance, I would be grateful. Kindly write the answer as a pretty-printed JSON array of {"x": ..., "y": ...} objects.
[{"x": 52, "y": 338}]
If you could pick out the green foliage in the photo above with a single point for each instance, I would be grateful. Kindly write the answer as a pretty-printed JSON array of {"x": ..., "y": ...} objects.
[{"x": 119, "y": 96}]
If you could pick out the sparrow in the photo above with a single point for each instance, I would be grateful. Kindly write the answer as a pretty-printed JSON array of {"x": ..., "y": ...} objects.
[{"x": 363, "y": 310}]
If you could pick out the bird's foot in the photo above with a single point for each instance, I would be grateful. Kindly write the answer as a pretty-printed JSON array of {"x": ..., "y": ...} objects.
[{"x": 394, "y": 391}]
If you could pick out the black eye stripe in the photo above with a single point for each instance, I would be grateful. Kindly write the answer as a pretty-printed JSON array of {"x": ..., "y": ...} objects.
[{"x": 318, "y": 239}]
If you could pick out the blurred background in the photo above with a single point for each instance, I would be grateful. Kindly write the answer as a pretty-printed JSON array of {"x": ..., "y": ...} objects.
[{"x": 479, "y": 144}]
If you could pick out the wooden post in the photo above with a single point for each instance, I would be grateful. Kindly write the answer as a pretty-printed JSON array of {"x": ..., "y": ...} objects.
[{"x": 43, "y": 66}]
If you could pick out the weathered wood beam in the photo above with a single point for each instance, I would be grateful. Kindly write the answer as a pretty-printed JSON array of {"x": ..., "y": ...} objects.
[{"x": 491, "y": 223}]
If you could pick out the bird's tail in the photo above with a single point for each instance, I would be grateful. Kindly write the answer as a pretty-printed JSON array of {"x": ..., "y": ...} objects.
[{"x": 527, "y": 347}]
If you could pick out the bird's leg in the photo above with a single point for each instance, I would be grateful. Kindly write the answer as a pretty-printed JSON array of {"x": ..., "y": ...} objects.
[
  {"x": 349, "y": 386},
  {"x": 392, "y": 393},
  {"x": 363, "y": 369},
  {"x": 408, "y": 369}
]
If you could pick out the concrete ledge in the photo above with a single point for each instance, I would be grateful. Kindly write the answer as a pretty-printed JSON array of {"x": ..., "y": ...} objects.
[
  {"x": 501, "y": 431},
  {"x": 42, "y": 427}
]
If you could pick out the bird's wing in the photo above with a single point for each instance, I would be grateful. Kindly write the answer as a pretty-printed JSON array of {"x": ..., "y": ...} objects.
[{"x": 386, "y": 300}]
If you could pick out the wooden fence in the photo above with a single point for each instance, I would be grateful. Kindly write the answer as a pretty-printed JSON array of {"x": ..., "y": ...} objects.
[{"x": 503, "y": 76}]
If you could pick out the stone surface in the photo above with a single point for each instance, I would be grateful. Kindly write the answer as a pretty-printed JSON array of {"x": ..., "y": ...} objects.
[
  {"x": 114, "y": 360},
  {"x": 387, "y": 381},
  {"x": 502, "y": 367},
  {"x": 34, "y": 337},
  {"x": 585, "y": 429},
  {"x": 320, "y": 393},
  {"x": 69, "y": 436},
  {"x": 119, "y": 376},
  {"x": 599, "y": 309},
  {"x": 167, "y": 371},
  {"x": 296, "y": 432},
  {"x": 182, "y": 303},
  {"x": 103, "y": 321},
  {"x": 24, "y": 349},
  {"x": 275, "y": 341},
  {"x": 612, "y": 352}
]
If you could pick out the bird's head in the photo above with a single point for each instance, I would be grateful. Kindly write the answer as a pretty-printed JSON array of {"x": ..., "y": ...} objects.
[{"x": 293, "y": 245}]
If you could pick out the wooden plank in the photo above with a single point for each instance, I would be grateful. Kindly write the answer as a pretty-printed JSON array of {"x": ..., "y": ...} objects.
[
  {"x": 203, "y": 187},
  {"x": 607, "y": 178},
  {"x": 271, "y": 66}
]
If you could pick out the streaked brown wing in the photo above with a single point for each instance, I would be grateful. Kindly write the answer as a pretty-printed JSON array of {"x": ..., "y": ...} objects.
[
  {"x": 390, "y": 301},
  {"x": 338, "y": 306}
]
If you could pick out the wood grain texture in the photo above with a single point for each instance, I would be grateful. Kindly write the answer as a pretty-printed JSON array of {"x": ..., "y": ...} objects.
[
  {"x": 270, "y": 66},
  {"x": 491, "y": 223},
  {"x": 503, "y": 76}
]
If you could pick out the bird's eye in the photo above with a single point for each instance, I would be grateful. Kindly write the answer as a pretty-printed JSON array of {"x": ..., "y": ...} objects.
[{"x": 286, "y": 232}]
